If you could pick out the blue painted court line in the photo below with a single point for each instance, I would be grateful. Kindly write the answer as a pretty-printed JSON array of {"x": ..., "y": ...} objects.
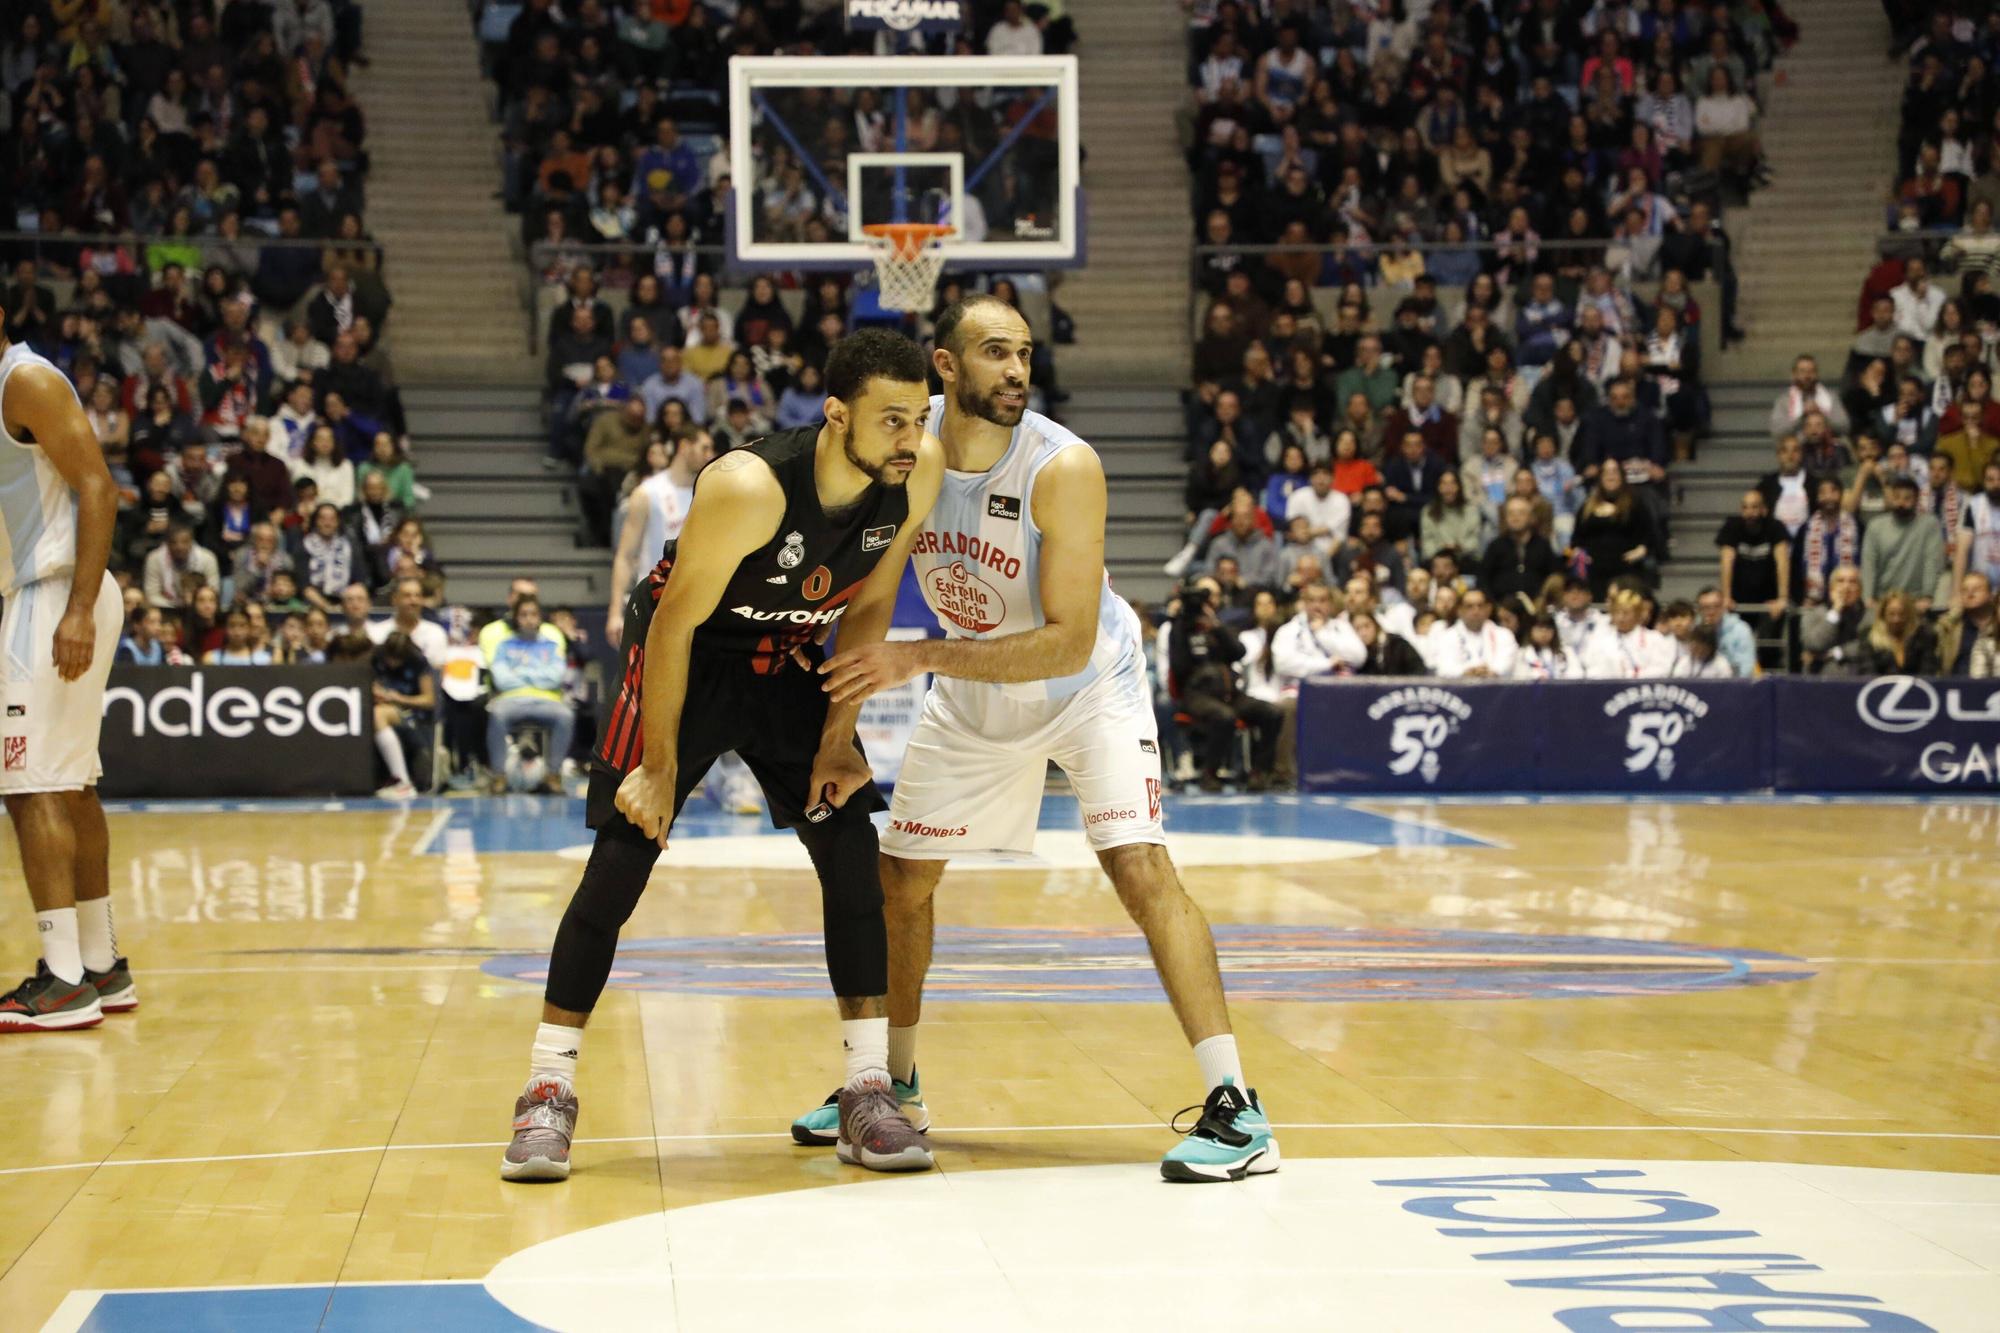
[{"x": 436, "y": 1307}]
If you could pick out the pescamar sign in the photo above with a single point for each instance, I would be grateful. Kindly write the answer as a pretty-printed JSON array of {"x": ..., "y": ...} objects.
[
  {"x": 237, "y": 731},
  {"x": 922, "y": 16}
]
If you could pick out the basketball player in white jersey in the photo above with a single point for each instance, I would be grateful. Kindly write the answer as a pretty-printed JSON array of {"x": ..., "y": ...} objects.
[
  {"x": 1041, "y": 662},
  {"x": 57, "y": 509},
  {"x": 652, "y": 517},
  {"x": 1977, "y": 550}
]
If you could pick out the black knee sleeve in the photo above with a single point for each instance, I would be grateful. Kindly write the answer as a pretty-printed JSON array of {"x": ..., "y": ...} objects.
[
  {"x": 844, "y": 852},
  {"x": 613, "y": 879}
]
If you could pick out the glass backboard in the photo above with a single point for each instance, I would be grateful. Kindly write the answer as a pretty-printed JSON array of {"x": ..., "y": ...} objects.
[{"x": 822, "y": 146}]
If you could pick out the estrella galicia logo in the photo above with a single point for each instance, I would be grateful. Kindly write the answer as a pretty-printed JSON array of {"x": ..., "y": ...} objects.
[
  {"x": 1004, "y": 506},
  {"x": 1425, "y": 718},
  {"x": 1659, "y": 716}
]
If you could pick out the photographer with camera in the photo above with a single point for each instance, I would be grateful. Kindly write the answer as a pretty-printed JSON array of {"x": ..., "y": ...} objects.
[{"x": 1202, "y": 656}]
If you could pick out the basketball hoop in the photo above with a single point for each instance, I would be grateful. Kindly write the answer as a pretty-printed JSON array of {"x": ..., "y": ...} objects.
[{"x": 908, "y": 258}]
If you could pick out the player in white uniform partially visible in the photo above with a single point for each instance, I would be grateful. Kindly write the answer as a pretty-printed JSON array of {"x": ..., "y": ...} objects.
[
  {"x": 1041, "y": 662},
  {"x": 652, "y": 516},
  {"x": 57, "y": 510}
]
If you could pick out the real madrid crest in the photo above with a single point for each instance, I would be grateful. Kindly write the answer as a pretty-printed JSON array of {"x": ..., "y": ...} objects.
[{"x": 795, "y": 551}]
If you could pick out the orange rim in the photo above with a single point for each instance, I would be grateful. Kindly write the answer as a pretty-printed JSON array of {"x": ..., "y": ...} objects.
[{"x": 909, "y": 238}]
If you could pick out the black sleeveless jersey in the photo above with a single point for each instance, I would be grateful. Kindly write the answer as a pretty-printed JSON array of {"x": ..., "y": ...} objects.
[{"x": 781, "y": 595}]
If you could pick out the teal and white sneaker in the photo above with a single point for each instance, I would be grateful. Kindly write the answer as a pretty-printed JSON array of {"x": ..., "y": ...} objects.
[
  {"x": 1230, "y": 1141},
  {"x": 820, "y": 1127}
]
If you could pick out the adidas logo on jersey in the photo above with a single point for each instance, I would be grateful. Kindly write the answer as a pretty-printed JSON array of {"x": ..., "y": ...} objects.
[{"x": 777, "y": 579}]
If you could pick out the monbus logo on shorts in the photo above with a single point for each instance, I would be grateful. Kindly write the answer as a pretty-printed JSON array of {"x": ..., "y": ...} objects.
[
  {"x": 232, "y": 711},
  {"x": 920, "y": 830}
]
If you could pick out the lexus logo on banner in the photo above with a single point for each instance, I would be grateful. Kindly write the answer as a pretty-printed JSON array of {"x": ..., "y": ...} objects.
[
  {"x": 923, "y": 16},
  {"x": 1898, "y": 704}
]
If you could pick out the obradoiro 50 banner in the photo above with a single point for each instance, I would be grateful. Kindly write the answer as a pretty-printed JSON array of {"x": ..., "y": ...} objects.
[{"x": 1892, "y": 733}]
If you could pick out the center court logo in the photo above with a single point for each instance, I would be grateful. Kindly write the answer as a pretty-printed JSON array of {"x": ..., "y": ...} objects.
[
  {"x": 1660, "y": 715},
  {"x": 1426, "y": 717},
  {"x": 1301, "y": 963}
]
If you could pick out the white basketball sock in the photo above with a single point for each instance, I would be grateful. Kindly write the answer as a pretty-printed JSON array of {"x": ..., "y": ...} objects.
[
  {"x": 903, "y": 1051},
  {"x": 391, "y": 747},
  {"x": 58, "y": 931},
  {"x": 96, "y": 938},
  {"x": 867, "y": 1043},
  {"x": 1218, "y": 1060},
  {"x": 555, "y": 1051}
]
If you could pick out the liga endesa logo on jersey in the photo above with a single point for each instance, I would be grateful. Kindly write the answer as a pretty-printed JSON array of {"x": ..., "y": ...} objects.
[{"x": 965, "y": 599}]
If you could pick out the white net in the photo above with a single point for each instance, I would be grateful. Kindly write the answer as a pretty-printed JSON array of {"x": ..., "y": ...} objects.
[{"x": 907, "y": 264}]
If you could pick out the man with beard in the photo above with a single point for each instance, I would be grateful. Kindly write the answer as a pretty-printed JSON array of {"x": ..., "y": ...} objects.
[
  {"x": 1978, "y": 545},
  {"x": 783, "y": 536},
  {"x": 1903, "y": 551},
  {"x": 1041, "y": 662}
]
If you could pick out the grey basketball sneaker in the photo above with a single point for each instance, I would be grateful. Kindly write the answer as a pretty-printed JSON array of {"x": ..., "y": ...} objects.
[
  {"x": 47, "y": 1003},
  {"x": 116, "y": 990},
  {"x": 876, "y": 1134},
  {"x": 544, "y": 1123}
]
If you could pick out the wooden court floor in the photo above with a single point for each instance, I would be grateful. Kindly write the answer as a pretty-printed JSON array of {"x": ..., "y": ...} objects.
[{"x": 316, "y": 1088}]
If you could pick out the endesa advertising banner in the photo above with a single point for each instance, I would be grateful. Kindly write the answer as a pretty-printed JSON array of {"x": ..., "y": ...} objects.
[
  {"x": 1892, "y": 733},
  {"x": 238, "y": 731},
  {"x": 1798, "y": 734}
]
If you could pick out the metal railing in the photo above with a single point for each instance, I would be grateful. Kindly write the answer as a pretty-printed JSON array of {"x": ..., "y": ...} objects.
[
  {"x": 65, "y": 248},
  {"x": 543, "y": 255}
]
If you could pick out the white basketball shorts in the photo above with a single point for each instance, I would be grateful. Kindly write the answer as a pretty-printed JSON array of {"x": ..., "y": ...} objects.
[
  {"x": 973, "y": 775},
  {"x": 48, "y": 735}
]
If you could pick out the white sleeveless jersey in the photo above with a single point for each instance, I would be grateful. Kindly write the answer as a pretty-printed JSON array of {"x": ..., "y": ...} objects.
[
  {"x": 978, "y": 559},
  {"x": 666, "y": 512},
  {"x": 1982, "y": 519},
  {"x": 37, "y": 507}
]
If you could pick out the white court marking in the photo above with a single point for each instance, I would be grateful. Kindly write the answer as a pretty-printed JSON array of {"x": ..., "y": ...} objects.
[
  {"x": 1381, "y": 1243},
  {"x": 945, "y": 1136},
  {"x": 1055, "y": 849}
]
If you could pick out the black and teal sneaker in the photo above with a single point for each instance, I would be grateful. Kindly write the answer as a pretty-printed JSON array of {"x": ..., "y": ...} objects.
[
  {"x": 1230, "y": 1141},
  {"x": 820, "y": 1127}
]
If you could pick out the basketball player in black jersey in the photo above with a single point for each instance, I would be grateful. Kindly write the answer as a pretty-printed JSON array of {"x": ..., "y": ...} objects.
[{"x": 785, "y": 537}]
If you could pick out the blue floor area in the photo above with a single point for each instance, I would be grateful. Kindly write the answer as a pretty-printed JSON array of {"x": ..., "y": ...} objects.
[{"x": 436, "y": 1307}]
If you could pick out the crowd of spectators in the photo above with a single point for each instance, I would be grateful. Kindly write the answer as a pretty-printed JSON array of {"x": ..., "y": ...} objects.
[
  {"x": 1375, "y": 131},
  {"x": 1470, "y": 314},
  {"x": 175, "y": 139},
  {"x": 612, "y": 122}
]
